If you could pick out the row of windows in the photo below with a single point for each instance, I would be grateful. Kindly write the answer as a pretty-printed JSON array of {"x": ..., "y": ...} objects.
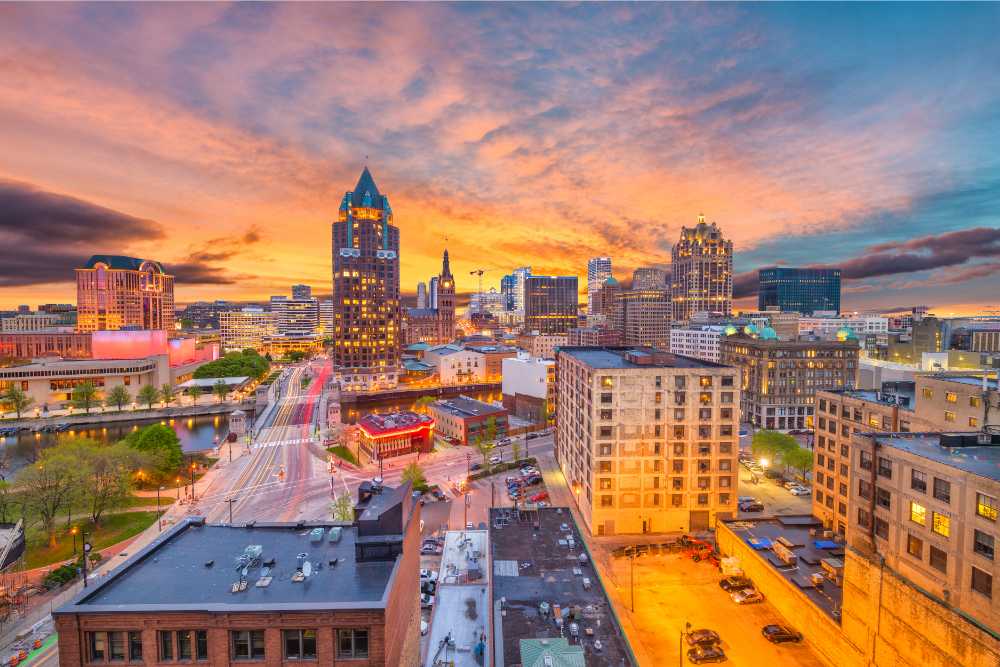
[
  {"x": 680, "y": 381},
  {"x": 192, "y": 645},
  {"x": 680, "y": 414},
  {"x": 629, "y": 500}
]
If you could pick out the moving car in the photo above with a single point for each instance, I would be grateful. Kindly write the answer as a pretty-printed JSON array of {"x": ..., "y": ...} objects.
[
  {"x": 776, "y": 634},
  {"x": 747, "y": 596},
  {"x": 702, "y": 636},
  {"x": 735, "y": 583},
  {"x": 706, "y": 653}
]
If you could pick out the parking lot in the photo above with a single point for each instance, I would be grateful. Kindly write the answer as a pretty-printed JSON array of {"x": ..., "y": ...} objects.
[{"x": 672, "y": 590}]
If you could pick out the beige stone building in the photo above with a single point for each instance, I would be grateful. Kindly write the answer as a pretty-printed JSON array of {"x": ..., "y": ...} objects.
[
  {"x": 647, "y": 440},
  {"x": 929, "y": 504},
  {"x": 935, "y": 403}
]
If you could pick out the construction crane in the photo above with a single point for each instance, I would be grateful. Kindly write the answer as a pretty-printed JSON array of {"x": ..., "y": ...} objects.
[{"x": 479, "y": 272}]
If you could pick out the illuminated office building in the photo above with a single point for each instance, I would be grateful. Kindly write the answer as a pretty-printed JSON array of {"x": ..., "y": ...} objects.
[
  {"x": 116, "y": 292},
  {"x": 702, "y": 272}
]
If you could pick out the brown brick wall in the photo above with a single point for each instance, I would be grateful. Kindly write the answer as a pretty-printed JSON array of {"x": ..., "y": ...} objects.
[{"x": 402, "y": 614}]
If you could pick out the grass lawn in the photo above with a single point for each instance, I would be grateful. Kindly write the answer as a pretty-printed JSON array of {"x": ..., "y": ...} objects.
[
  {"x": 113, "y": 529},
  {"x": 344, "y": 453}
]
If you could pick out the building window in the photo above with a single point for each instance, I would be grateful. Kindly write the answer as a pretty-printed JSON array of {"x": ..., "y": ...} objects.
[
  {"x": 882, "y": 497},
  {"x": 842, "y": 509},
  {"x": 949, "y": 416},
  {"x": 604, "y": 467},
  {"x": 884, "y": 467},
  {"x": 942, "y": 490},
  {"x": 941, "y": 524},
  {"x": 982, "y": 544},
  {"x": 352, "y": 643},
  {"x": 927, "y": 393},
  {"x": 166, "y": 645},
  {"x": 973, "y": 422},
  {"x": 882, "y": 528},
  {"x": 727, "y": 397},
  {"x": 918, "y": 513},
  {"x": 98, "y": 646},
  {"x": 607, "y": 415},
  {"x": 939, "y": 559},
  {"x": 915, "y": 546},
  {"x": 727, "y": 380},
  {"x": 135, "y": 646},
  {"x": 864, "y": 518},
  {"x": 300, "y": 644},
  {"x": 677, "y": 500},
  {"x": 248, "y": 644},
  {"x": 987, "y": 506},
  {"x": 951, "y": 397},
  {"x": 866, "y": 461},
  {"x": 702, "y": 498},
  {"x": 605, "y": 449},
  {"x": 607, "y": 501},
  {"x": 982, "y": 582},
  {"x": 606, "y": 399},
  {"x": 607, "y": 381},
  {"x": 864, "y": 489},
  {"x": 975, "y": 402},
  {"x": 918, "y": 481}
]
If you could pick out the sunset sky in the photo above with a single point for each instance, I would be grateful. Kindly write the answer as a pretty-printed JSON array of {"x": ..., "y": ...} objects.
[{"x": 219, "y": 139}]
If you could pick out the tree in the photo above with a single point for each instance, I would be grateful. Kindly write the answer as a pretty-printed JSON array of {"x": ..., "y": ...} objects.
[
  {"x": 491, "y": 429},
  {"x": 106, "y": 474},
  {"x": 84, "y": 395},
  {"x": 6, "y": 502},
  {"x": 167, "y": 394},
  {"x": 413, "y": 474},
  {"x": 148, "y": 395},
  {"x": 342, "y": 508},
  {"x": 15, "y": 397},
  {"x": 220, "y": 389},
  {"x": 195, "y": 393},
  {"x": 484, "y": 447},
  {"x": 772, "y": 444},
  {"x": 48, "y": 485},
  {"x": 161, "y": 444},
  {"x": 235, "y": 364},
  {"x": 515, "y": 450},
  {"x": 800, "y": 459},
  {"x": 118, "y": 396}
]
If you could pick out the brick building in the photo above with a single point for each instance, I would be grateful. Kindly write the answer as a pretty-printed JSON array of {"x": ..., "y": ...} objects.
[
  {"x": 465, "y": 419},
  {"x": 218, "y": 595}
]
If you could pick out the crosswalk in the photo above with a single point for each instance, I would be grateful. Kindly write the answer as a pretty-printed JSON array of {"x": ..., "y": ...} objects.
[{"x": 282, "y": 443}]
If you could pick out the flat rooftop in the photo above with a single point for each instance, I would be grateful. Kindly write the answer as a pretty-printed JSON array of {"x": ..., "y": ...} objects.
[
  {"x": 379, "y": 425},
  {"x": 795, "y": 529},
  {"x": 974, "y": 380},
  {"x": 464, "y": 557},
  {"x": 174, "y": 572},
  {"x": 463, "y": 613},
  {"x": 533, "y": 563},
  {"x": 982, "y": 460},
  {"x": 463, "y": 406},
  {"x": 630, "y": 357}
]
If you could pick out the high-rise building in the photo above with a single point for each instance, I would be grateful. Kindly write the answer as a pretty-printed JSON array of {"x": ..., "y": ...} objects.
[
  {"x": 642, "y": 316},
  {"x": 421, "y": 295},
  {"x": 508, "y": 287},
  {"x": 647, "y": 440},
  {"x": 520, "y": 275},
  {"x": 116, "y": 292},
  {"x": 702, "y": 272},
  {"x": 779, "y": 378},
  {"x": 326, "y": 317},
  {"x": 366, "y": 340},
  {"x": 700, "y": 342},
  {"x": 296, "y": 317},
  {"x": 550, "y": 303},
  {"x": 647, "y": 277},
  {"x": 800, "y": 290},
  {"x": 491, "y": 302},
  {"x": 598, "y": 270},
  {"x": 246, "y": 329},
  {"x": 432, "y": 295},
  {"x": 302, "y": 292}
]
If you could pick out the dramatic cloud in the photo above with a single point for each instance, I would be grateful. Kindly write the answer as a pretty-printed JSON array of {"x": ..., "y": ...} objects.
[
  {"x": 45, "y": 235},
  {"x": 920, "y": 254}
]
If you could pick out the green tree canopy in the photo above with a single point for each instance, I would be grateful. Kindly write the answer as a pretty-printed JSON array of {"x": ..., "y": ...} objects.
[
  {"x": 772, "y": 445},
  {"x": 84, "y": 395},
  {"x": 167, "y": 394},
  {"x": 413, "y": 474},
  {"x": 161, "y": 444},
  {"x": 800, "y": 459},
  {"x": 106, "y": 474},
  {"x": 235, "y": 364},
  {"x": 48, "y": 484},
  {"x": 220, "y": 389},
  {"x": 15, "y": 398},
  {"x": 195, "y": 393},
  {"x": 118, "y": 396},
  {"x": 342, "y": 508},
  {"x": 148, "y": 394}
]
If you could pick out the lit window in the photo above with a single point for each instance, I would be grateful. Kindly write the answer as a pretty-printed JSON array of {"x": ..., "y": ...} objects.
[
  {"x": 941, "y": 525},
  {"x": 987, "y": 506},
  {"x": 918, "y": 514},
  {"x": 951, "y": 397},
  {"x": 949, "y": 416}
]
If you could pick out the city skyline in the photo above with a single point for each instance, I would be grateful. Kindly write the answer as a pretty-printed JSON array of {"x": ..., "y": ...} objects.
[{"x": 220, "y": 147}]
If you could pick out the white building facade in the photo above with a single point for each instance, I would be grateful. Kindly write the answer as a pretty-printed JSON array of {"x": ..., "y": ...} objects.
[{"x": 697, "y": 342}]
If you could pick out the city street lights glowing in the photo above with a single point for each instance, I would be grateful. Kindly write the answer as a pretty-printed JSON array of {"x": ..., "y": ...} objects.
[{"x": 764, "y": 462}]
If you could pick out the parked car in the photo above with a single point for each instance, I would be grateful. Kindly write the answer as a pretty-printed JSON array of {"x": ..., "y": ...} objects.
[
  {"x": 789, "y": 485},
  {"x": 777, "y": 634},
  {"x": 751, "y": 507},
  {"x": 475, "y": 466},
  {"x": 735, "y": 583},
  {"x": 428, "y": 587},
  {"x": 747, "y": 596},
  {"x": 424, "y": 627},
  {"x": 705, "y": 653},
  {"x": 428, "y": 575},
  {"x": 495, "y": 459},
  {"x": 426, "y": 600},
  {"x": 428, "y": 549},
  {"x": 799, "y": 491},
  {"x": 702, "y": 636},
  {"x": 544, "y": 495},
  {"x": 746, "y": 499},
  {"x": 533, "y": 480}
]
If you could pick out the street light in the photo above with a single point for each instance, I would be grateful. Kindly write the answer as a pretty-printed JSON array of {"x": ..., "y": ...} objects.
[
  {"x": 178, "y": 482},
  {"x": 680, "y": 644},
  {"x": 192, "y": 480},
  {"x": 74, "y": 530}
]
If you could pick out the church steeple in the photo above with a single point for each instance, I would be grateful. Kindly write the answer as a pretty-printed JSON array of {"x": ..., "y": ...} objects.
[{"x": 445, "y": 265}]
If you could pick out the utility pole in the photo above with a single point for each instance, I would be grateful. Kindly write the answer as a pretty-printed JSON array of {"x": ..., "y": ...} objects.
[
  {"x": 86, "y": 554},
  {"x": 230, "y": 501}
]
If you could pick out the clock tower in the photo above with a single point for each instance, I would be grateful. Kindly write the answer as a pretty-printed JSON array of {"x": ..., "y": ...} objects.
[{"x": 446, "y": 302}]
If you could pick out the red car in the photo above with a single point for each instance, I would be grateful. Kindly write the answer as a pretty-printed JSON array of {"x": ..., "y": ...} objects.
[{"x": 544, "y": 495}]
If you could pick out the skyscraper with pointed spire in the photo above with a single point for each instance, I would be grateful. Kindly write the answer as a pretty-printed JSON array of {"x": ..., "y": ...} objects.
[
  {"x": 435, "y": 323},
  {"x": 366, "y": 327}
]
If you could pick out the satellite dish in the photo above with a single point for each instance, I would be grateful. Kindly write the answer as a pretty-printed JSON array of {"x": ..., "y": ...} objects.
[{"x": 307, "y": 568}]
